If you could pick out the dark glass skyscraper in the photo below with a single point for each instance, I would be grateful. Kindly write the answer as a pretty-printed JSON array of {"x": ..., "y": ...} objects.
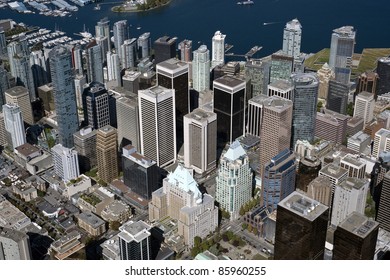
[
  {"x": 60, "y": 59},
  {"x": 337, "y": 97},
  {"x": 134, "y": 241},
  {"x": 383, "y": 71},
  {"x": 95, "y": 105},
  {"x": 164, "y": 48}
]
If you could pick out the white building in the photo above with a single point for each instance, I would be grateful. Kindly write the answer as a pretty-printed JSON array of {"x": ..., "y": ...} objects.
[
  {"x": 66, "y": 163},
  {"x": 381, "y": 142},
  {"x": 292, "y": 38},
  {"x": 355, "y": 165},
  {"x": 359, "y": 142},
  {"x": 113, "y": 66},
  {"x": 201, "y": 69},
  {"x": 134, "y": 241},
  {"x": 349, "y": 196},
  {"x": 364, "y": 106},
  {"x": 335, "y": 173},
  {"x": 181, "y": 199},
  {"x": 20, "y": 96},
  {"x": 200, "y": 140},
  {"x": 234, "y": 180},
  {"x": 218, "y": 49},
  {"x": 14, "y": 126},
  {"x": 157, "y": 116}
]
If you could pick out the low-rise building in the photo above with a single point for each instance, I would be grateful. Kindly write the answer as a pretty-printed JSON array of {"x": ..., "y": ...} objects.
[
  {"x": 66, "y": 246},
  {"x": 25, "y": 191},
  {"x": 91, "y": 223},
  {"x": 78, "y": 185},
  {"x": 96, "y": 201},
  {"x": 12, "y": 217},
  {"x": 116, "y": 211}
]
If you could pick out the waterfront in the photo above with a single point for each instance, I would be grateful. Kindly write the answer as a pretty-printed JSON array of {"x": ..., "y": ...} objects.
[{"x": 197, "y": 20}]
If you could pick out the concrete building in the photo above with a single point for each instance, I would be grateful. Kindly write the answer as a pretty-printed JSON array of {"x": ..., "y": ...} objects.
[
  {"x": 66, "y": 245},
  {"x": 354, "y": 125},
  {"x": 335, "y": 173},
  {"x": 281, "y": 88},
  {"x": 383, "y": 214},
  {"x": 200, "y": 140},
  {"x": 131, "y": 81},
  {"x": 255, "y": 115},
  {"x": 201, "y": 69},
  {"x": 135, "y": 241},
  {"x": 91, "y": 223},
  {"x": 14, "y": 127},
  {"x": 338, "y": 93},
  {"x": 181, "y": 199},
  {"x": 157, "y": 117},
  {"x": 278, "y": 179},
  {"x": 66, "y": 163},
  {"x": 11, "y": 217},
  {"x": 364, "y": 106},
  {"x": 292, "y": 38},
  {"x": 20, "y": 96},
  {"x": 218, "y": 49},
  {"x": 301, "y": 226},
  {"x": 121, "y": 33},
  {"x": 185, "y": 48},
  {"x": 45, "y": 93},
  {"x": 95, "y": 201},
  {"x": 234, "y": 180},
  {"x": 116, "y": 211},
  {"x": 324, "y": 74},
  {"x": 320, "y": 189},
  {"x": 144, "y": 44},
  {"x": 355, "y": 165},
  {"x": 355, "y": 238},
  {"x": 359, "y": 142},
  {"x": 129, "y": 53},
  {"x": 381, "y": 142},
  {"x": 85, "y": 145},
  {"x": 94, "y": 60},
  {"x": 127, "y": 113},
  {"x": 367, "y": 81},
  {"x": 106, "y": 152},
  {"x": 275, "y": 128},
  {"x": 14, "y": 245},
  {"x": 331, "y": 126}
]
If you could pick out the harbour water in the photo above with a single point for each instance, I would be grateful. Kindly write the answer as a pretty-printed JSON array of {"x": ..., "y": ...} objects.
[{"x": 245, "y": 26}]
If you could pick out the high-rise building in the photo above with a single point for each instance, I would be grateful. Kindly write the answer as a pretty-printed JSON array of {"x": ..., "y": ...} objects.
[
  {"x": 200, "y": 140},
  {"x": 292, "y": 38},
  {"x": 3, "y": 43},
  {"x": 255, "y": 115},
  {"x": 320, "y": 189},
  {"x": 301, "y": 225},
  {"x": 106, "y": 152},
  {"x": 39, "y": 68},
  {"x": 19, "y": 96},
  {"x": 144, "y": 44},
  {"x": 4, "y": 84},
  {"x": 364, "y": 106},
  {"x": 14, "y": 127},
  {"x": 102, "y": 29},
  {"x": 201, "y": 69},
  {"x": 381, "y": 142},
  {"x": 14, "y": 245},
  {"x": 383, "y": 213},
  {"x": 121, "y": 33},
  {"x": 95, "y": 105},
  {"x": 60, "y": 59},
  {"x": 77, "y": 60},
  {"x": 135, "y": 241},
  {"x": 335, "y": 173},
  {"x": 281, "y": 66},
  {"x": 304, "y": 107},
  {"x": 281, "y": 88},
  {"x": 181, "y": 199},
  {"x": 95, "y": 64},
  {"x": 337, "y": 97},
  {"x": 129, "y": 53},
  {"x": 349, "y": 196},
  {"x": 355, "y": 165},
  {"x": 131, "y": 81},
  {"x": 258, "y": 70},
  {"x": 3, "y": 133},
  {"x": 185, "y": 48},
  {"x": 164, "y": 49},
  {"x": 23, "y": 74},
  {"x": 383, "y": 71},
  {"x": 158, "y": 124},
  {"x": 113, "y": 67},
  {"x": 324, "y": 74},
  {"x": 355, "y": 238},
  {"x": 275, "y": 128},
  {"x": 128, "y": 121},
  {"x": 218, "y": 49},
  {"x": 278, "y": 179},
  {"x": 234, "y": 180},
  {"x": 66, "y": 163},
  {"x": 341, "y": 50},
  {"x": 140, "y": 174},
  {"x": 367, "y": 81},
  {"x": 229, "y": 104},
  {"x": 85, "y": 145},
  {"x": 331, "y": 126}
]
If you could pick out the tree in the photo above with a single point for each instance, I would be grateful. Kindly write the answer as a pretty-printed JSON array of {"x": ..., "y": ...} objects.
[
  {"x": 114, "y": 225},
  {"x": 197, "y": 241},
  {"x": 255, "y": 231},
  {"x": 250, "y": 228},
  {"x": 350, "y": 109},
  {"x": 244, "y": 226},
  {"x": 319, "y": 106},
  {"x": 242, "y": 211}
]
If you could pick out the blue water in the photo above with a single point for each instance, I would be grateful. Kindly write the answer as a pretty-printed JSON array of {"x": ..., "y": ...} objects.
[{"x": 197, "y": 20}]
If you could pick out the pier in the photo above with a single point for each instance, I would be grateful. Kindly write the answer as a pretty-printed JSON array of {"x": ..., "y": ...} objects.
[{"x": 248, "y": 55}]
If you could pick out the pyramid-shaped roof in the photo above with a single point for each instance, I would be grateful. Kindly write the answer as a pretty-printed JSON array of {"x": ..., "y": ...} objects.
[
  {"x": 235, "y": 151},
  {"x": 182, "y": 178}
]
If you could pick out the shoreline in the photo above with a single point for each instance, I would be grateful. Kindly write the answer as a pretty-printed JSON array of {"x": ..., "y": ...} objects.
[{"x": 136, "y": 9}]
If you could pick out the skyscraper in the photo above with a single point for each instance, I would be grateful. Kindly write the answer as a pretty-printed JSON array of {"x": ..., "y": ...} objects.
[
  {"x": 128, "y": 121},
  {"x": 85, "y": 145},
  {"x": 364, "y": 106},
  {"x": 19, "y": 96},
  {"x": 121, "y": 33},
  {"x": 66, "y": 163},
  {"x": 281, "y": 88},
  {"x": 95, "y": 64},
  {"x": 134, "y": 241},
  {"x": 113, "y": 67},
  {"x": 140, "y": 174},
  {"x": 229, "y": 104},
  {"x": 129, "y": 53},
  {"x": 218, "y": 49},
  {"x": 335, "y": 173},
  {"x": 95, "y": 105},
  {"x": 234, "y": 180},
  {"x": 144, "y": 45},
  {"x": 355, "y": 238},
  {"x": 14, "y": 127},
  {"x": 278, "y": 179},
  {"x": 60, "y": 60},
  {"x": 201, "y": 69},
  {"x": 275, "y": 128},
  {"x": 107, "y": 153},
  {"x": 301, "y": 225},
  {"x": 383, "y": 71},
  {"x": 200, "y": 140},
  {"x": 185, "y": 48},
  {"x": 324, "y": 74},
  {"x": 292, "y": 38},
  {"x": 383, "y": 214},
  {"x": 341, "y": 50},
  {"x": 23, "y": 74},
  {"x": 305, "y": 107},
  {"x": 39, "y": 68},
  {"x": 4, "y": 84},
  {"x": 258, "y": 70},
  {"x": 158, "y": 124},
  {"x": 367, "y": 81},
  {"x": 102, "y": 31},
  {"x": 164, "y": 49},
  {"x": 349, "y": 196},
  {"x": 281, "y": 66},
  {"x": 181, "y": 199}
]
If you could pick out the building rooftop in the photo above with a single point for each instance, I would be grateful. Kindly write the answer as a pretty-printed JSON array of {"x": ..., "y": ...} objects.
[
  {"x": 353, "y": 183},
  {"x": 131, "y": 153},
  {"x": 106, "y": 129},
  {"x": 182, "y": 178},
  {"x": 294, "y": 25},
  {"x": 12, "y": 217},
  {"x": 303, "y": 206},
  {"x": 131, "y": 75},
  {"x": 360, "y": 136},
  {"x": 353, "y": 160},
  {"x": 334, "y": 171},
  {"x": 235, "y": 151},
  {"x": 172, "y": 65},
  {"x": 365, "y": 95},
  {"x": 91, "y": 219},
  {"x": 230, "y": 82},
  {"x": 134, "y": 231},
  {"x": 17, "y": 91},
  {"x": 345, "y": 31},
  {"x": 359, "y": 224},
  {"x": 200, "y": 114},
  {"x": 26, "y": 149},
  {"x": 282, "y": 85},
  {"x": 12, "y": 234}
]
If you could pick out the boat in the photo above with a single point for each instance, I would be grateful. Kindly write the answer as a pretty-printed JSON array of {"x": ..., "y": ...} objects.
[
  {"x": 239, "y": 3},
  {"x": 248, "y": 2},
  {"x": 97, "y": 7},
  {"x": 139, "y": 27}
]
